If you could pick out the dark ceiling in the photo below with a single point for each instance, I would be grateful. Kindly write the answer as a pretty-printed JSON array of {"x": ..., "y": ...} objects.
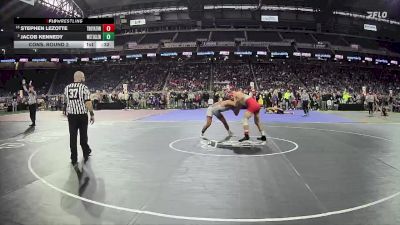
[
  {"x": 11, "y": 8},
  {"x": 15, "y": 8},
  {"x": 361, "y": 6}
]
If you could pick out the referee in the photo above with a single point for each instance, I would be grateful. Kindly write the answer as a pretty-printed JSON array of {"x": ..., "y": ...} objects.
[
  {"x": 305, "y": 98},
  {"x": 370, "y": 99},
  {"x": 32, "y": 98},
  {"x": 78, "y": 104}
]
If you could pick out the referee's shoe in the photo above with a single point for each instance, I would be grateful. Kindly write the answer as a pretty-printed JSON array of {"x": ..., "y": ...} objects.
[{"x": 78, "y": 104}]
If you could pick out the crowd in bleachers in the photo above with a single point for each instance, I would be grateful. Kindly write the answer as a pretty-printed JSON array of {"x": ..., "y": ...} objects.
[
  {"x": 190, "y": 85},
  {"x": 143, "y": 77},
  {"x": 258, "y": 36},
  {"x": 327, "y": 84},
  {"x": 185, "y": 77},
  {"x": 98, "y": 77},
  {"x": 11, "y": 80},
  {"x": 237, "y": 75}
]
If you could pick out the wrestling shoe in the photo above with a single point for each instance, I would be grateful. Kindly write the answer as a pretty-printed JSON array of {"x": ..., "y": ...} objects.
[
  {"x": 230, "y": 134},
  {"x": 87, "y": 155},
  {"x": 262, "y": 138},
  {"x": 245, "y": 138},
  {"x": 86, "y": 158}
]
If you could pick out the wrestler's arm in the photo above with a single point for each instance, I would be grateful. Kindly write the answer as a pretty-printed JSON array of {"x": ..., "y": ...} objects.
[
  {"x": 24, "y": 86},
  {"x": 231, "y": 104},
  {"x": 238, "y": 105},
  {"x": 236, "y": 98},
  {"x": 228, "y": 103},
  {"x": 237, "y": 108}
]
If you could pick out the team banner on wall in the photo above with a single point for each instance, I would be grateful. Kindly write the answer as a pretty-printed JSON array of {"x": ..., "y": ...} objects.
[
  {"x": 125, "y": 87},
  {"x": 269, "y": 18},
  {"x": 30, "y": 2},
  {"x": 370, "y": 27},
  {"x": 137, "y": 22},
  {"x": 252, "y": 85}
]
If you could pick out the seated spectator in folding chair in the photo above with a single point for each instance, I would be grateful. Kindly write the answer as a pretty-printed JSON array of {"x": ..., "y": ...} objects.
[{"x": 329, "y": 103}]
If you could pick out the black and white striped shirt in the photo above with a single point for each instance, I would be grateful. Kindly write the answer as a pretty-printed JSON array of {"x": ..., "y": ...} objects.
[
  {"x": 305, "y": 97},
  {"x": 76, "y": 95},
  {"x": 31, "y": 96}
]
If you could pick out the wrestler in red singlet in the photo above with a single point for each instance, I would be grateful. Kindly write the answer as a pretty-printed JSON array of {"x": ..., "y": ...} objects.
[{"x": 253, "y": 108}]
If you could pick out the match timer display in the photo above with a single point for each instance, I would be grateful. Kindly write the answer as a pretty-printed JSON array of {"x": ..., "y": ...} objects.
[{"x": 57, "y": 33}]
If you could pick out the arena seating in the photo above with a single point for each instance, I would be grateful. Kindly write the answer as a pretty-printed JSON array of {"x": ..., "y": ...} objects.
[
  {"x": 363, "y": 42},
  {"x": 98, "y": 77},
  {"x": 236, "y": 74},
  {"x": 143, "y": 76},
  {"x": 192, "y": 36},
  {"x": 298, "y": 37},
  {"x": 41, "y": 79},
  {"x": 123, "y": 39},
  {"x": 314, "y": 51},
  {"x": 189, "y": 77},
  {"x": 217, "y": 49},
  {"x": 154, "y": 38},
  {"x": 183, "y": 49},
  {"x": 251, "y": 49},
  {"x": 64, "y": 77},
  {"x": 226, "y": 35},
  {"x": 263, "y": 36},
  {"x": 275, "y": 76},
  {"x": 148, "y": 79},
  {"x": 333, "y": 39},
  {"x": 289, "y": 49},
  {"x": 141, "y": 51},
  {"x": 394, "y": 47}
]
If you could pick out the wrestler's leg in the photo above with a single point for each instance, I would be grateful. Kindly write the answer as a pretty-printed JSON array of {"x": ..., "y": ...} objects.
[
  {"x": 257, "y": 122},
  {"x": 246, "y": 118},
  {"x": 223, "y": 120},
  {"x": 207, "y": 125}
]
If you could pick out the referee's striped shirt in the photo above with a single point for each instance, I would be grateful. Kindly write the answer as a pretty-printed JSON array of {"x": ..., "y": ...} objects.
[{"x": 76, "y": 95}]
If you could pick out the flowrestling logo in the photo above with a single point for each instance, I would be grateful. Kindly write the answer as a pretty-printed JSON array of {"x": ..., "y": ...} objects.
[{"x": 377, "y": 14}]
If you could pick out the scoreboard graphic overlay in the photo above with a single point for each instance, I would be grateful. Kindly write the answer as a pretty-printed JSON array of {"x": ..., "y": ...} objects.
[{"x": 61, "y": 33}]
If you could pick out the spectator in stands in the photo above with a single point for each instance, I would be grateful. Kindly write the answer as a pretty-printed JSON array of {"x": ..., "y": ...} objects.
[
  {"x": 14, "y": 102},
  {"x": 186, "y": 84},
  {"x": 287, "y": 96}
]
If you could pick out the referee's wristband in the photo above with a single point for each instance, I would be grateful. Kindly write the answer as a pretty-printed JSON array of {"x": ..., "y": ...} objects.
[{"x": 91, "y": 113}]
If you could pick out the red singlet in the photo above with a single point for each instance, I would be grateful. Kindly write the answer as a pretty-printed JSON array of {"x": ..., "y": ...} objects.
[{"x": 252, "y": 105}]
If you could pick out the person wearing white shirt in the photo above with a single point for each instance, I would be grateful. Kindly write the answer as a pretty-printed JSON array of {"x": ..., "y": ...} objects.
[{"x": 32, "y": 100}]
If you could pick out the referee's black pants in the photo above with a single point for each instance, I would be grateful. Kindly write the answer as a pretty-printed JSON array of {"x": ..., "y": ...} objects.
[
  {"x": 305, "y": 106},
  {"x": 32, "y": 113},
  {"x": 75, "y": 123},
  {"x": 370, "y": 107}
]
